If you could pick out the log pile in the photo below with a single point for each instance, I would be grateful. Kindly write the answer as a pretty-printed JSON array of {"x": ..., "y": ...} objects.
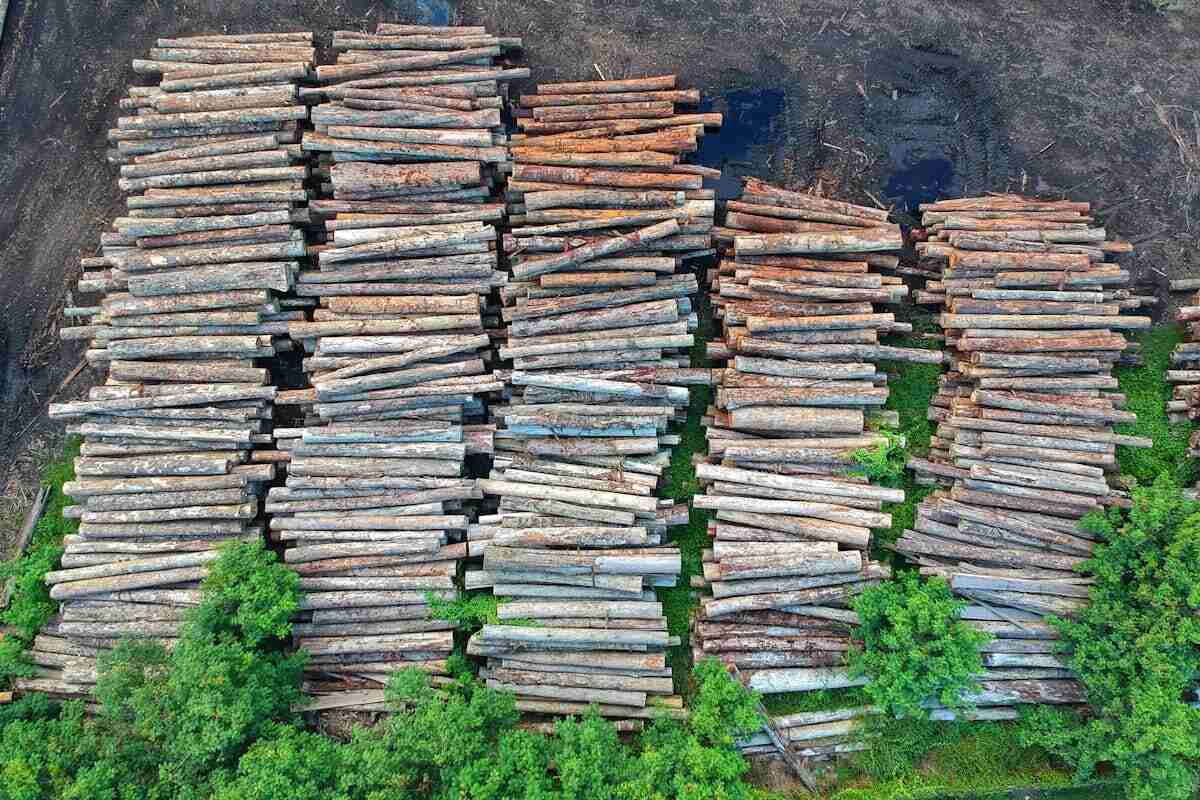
[
  {"x": 1184, "y": 372},
  {"x": 598, "y": 321},
  {"x": 825, "y": 735},
  {"x": 190, "y": 280},
  {"x": 957, "y": 235},
  {"x": 1025, "y": 443},
  {"x": 1185, "y": 361},
  {"x": 376, "y": 505},
  {"x": 800, "y": 394}
]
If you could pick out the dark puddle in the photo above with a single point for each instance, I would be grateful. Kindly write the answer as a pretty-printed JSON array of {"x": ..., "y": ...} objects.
[
  {"x": 923, "y": 182},
  {"x": 423, "y": 12},
  {"x": 933, "y": 118},
  {"x": 749, "y": 115}
]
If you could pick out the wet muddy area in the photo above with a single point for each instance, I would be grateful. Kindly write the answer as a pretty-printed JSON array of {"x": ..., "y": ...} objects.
[
  {"x": 885, "y": 102},
  {"x": 933, "y": 118},
  {"x": 750, "y": 117}
]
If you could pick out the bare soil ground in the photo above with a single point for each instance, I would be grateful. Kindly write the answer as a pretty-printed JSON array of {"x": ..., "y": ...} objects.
[{"x": 877, "y": 100}]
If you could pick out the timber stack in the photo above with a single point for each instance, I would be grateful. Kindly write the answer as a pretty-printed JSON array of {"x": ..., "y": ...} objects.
[
  {"x": 799, "y": 397},
  {"x": 1185, "y": 360},
  {"x": 376, "y": 505},
  {"x": 1025, "y": 444},
  {"x": 825, "y": 735},
  {"x": 190, "y": 281},
  {"x": 598, "y": 317},
  {"x": 957, "y": 235},
  {"x": 1184, "y": 372}
]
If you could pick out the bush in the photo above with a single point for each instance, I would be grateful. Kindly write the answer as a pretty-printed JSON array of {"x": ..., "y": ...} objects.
[
  {"x": 914, "y": 647},
  {"x": 173, "y": 725},
  {"x": 30, "y": 606},
  {"x": 216, "y": 718},
  {"x": 1136, "y": 648},
  {"x": 249, "y": 596},
  {"x": 696, "y": 760},
  {"x": 884, "y": 464}
]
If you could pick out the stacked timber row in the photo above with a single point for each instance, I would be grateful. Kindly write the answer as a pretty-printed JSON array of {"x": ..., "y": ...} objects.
[
  {"x": 599, "y": 319},
  {"x": 800, "y": 394},
  {"x": 376, "y": 505},
  {"x": 1185, "y": 360},
  {"x": 823, "y": 735},
  {"x": 189, "y": 282},
  {"x": 958, "y": 235},
  {"x": 1184, "y": 373},
  {"x": 1025, "y": 444}
]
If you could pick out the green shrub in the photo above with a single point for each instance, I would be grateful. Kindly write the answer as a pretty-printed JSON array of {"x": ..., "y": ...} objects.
[
  {"x": 884, "y": 464},
  {"x": 249, "y": 595},
  {"x": 290, "y": 764},
  {"x": 30, "y": 606},
  {"x": 1136, "y": 648},
  {"x": 471, "y": 610},
  {"x": 216, "y": 717},
  {"x": 914, "y": 647},
  {"x": 589, "y": 757}
]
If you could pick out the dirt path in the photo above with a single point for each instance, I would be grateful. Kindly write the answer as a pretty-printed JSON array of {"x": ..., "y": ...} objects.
[{"x": 895, "y": 100}]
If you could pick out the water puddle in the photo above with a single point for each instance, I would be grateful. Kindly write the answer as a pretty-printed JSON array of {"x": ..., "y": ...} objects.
[
  {"x": 923, "y": 182},
  {"x": 749, "y": 115},
  {"x": 423, "y": 12},
  {"x": 932, "y": 117}
]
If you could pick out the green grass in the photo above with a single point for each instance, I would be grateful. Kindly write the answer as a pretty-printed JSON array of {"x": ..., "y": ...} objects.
[
  {"x": 31, "y": 606},
  {"x": 679, "y": 600},
  {"x": 822, "y": 700},
  {"x": 1147, "y": 392},
  {"x": 911, "y": 388},
  {"x": 914, "y": 759}
]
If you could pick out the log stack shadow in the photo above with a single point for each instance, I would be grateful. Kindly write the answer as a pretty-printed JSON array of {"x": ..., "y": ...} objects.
[
  {"x": 799, "y": 397},
  {"x": 409, "y": 145},
  {"x": 191, "y": 281},
  {"x": 1025, "y": 445},
  {"x": 598, "y": 321}
]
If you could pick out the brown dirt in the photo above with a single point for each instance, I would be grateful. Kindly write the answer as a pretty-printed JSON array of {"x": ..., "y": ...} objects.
[{"x": 1053, "y": 96}]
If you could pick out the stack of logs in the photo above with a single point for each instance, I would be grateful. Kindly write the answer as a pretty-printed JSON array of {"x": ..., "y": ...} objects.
[
  {"x": 824, "y": 735},
  {"x": 959, "y": 236},
  {"x": 599, "y": 319},
  {"x": 1185, "y": 360},
  {"x": 190, "y": 280},
  {"x": 1025, "y": 442},
  {"x": 1184, "y": 404},
  {"x": 800, "y": 395},
  {"x": 375, "y": 504}
]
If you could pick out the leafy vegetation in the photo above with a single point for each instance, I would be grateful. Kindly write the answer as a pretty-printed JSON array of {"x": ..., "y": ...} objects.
[
  {"x": 1136, "y": 648},
  {"x": 462, "y": 742},
  {"x": 172, "y": 725},
  {"x": 30, "y": 606},
  {"x": 884, "y": 464},
  {"x": 1147, "y": 391},
  {"x": 910, "y": 390},
  {"x": 914, "y": 646},
  {"x": 471, "y": 610},
  {"x": 217, "y": 717}
]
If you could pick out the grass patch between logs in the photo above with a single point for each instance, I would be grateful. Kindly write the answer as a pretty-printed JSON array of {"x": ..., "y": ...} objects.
[
  {"x": 680, "y": 600},
  {"x": 1147, "y": 391}
]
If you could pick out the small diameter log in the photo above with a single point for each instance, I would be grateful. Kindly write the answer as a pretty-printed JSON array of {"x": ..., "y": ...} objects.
[{"x": 850, "y": 241}]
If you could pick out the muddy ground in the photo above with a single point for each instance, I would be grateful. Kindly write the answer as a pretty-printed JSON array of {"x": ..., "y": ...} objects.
[{"x": 887, "y": 101}]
